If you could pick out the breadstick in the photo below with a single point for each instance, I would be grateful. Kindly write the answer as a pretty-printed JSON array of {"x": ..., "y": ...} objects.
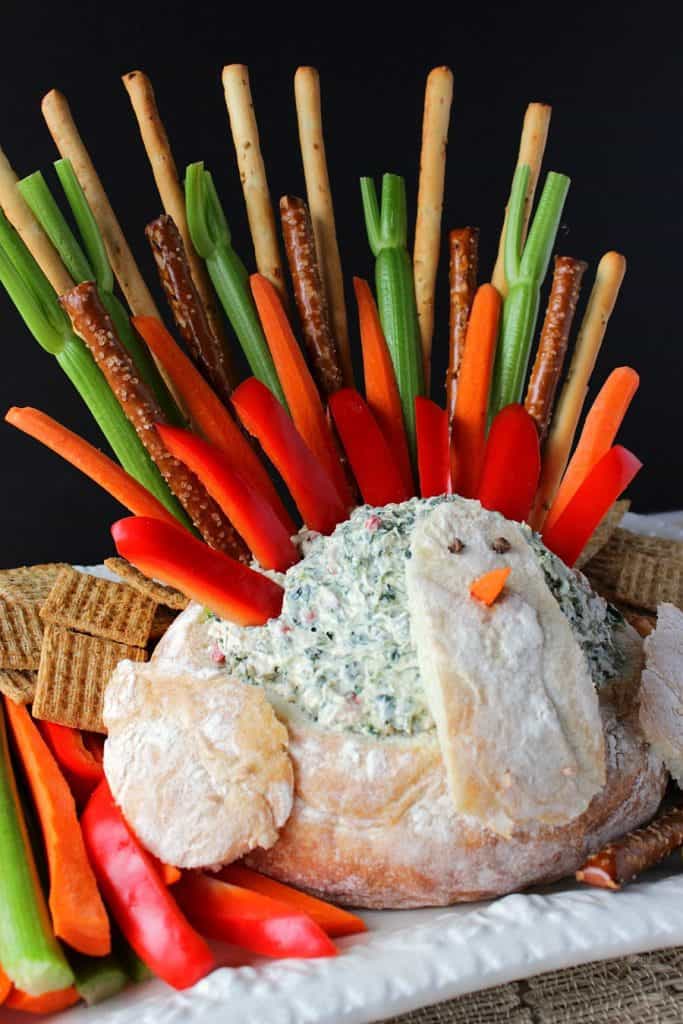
[
  {"x": 93, "y": 324},
  {"x": 531, "y": 149},
  {"x": 21, "y": 217},
  {"x": 436, "y": 118},
  {"x": 158, "y": 149},
  {"x": 310, "y": 297},
  {"x": 557, "y": 448},
  {"x": 463, "y": 246},
  {"x": 245, "y": 137},
  {"x": 205, "y": 347},
  {"x": 552, "y": 345},
  {"x": 319, "y": 195},
  {"x": 624, "y": 859}
]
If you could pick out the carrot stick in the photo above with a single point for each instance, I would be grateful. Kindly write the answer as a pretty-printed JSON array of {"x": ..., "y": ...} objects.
[
  {"x": 468, "y": 430},
  {"x": 5, "y": 986},
  {"x": 602, "y": 423},
  {"x": 51, "y": 1002},
  {"x": 297, "y": 383},
  {"x": 208, "y": 413},
  {"x": 92, "y": 462},
  {"x": 78, "y": 914},
  {"x": 489, "y": 587},
  {"x": 381, "y": 392}
]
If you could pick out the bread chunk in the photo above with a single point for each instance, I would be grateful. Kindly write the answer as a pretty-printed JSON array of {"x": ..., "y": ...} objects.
[{"x": 661, "y": 694}]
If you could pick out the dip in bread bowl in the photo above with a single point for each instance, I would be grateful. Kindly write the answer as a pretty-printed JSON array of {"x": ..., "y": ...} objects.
[{"x": 442, "y": 750}]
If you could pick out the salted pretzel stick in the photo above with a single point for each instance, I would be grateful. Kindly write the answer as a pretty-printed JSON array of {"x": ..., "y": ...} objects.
[
  {"x": 319, "y": 196},
  {"x": 435, "y": 121},
  {"x": 21, "y": 217},
  {"x": 309, "y": 294},
  {"x": 245, "y": 137},
  {"x": 463, "y": 244},
  {"x": 93, "y": 324},
  {"x": 531, "y": 149},
  {"x": 625, "y": 858},
  {"x": 552, "y": 345},
  {"x": 205, "y": 347},
  {"x": 557, "y": 448},
  {"x": 158, "y": 149}
]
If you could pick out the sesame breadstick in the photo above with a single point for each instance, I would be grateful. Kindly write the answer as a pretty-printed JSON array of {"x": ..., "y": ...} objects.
[
  {"x": 557, "y": 448},
  {"x": 158, "y": 149},
  {"x": 253, "y": 174},
  {"x": 531, "y": 149},
  {"x": 22, "y": 219},
  {"x": 437, "y": 112},
  {"x": 319, "y": 195}
]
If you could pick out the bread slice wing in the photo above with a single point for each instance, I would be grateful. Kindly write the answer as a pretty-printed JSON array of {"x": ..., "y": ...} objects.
[{"x": 509, "y": 687}]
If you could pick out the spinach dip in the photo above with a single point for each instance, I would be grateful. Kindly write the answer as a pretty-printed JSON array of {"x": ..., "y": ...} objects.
[{"x": 341, "y": 650}]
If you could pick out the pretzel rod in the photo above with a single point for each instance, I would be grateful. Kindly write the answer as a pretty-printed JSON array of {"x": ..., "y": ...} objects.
[
  {"x": 245, "y": 137},
  {"x": 319, "y": 195},
  {"x": 311, "y": 303},
  {"x": 27, "y": 227},
  {"x": 552, "y": 345},
  {"x": 557, "y": 448},
  {"x": 463, "y": 246},
  {"x": 436, "y": 118},
  {"x": 93, "y": 324},
  {"x": 158, "y": 149},
  {"x": 531, "y": 149},
  {"x": 624, "y": 859},
  {"x": 205, "y": 347}
]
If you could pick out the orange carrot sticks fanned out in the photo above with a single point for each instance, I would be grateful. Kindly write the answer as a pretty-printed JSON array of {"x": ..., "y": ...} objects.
[
  {"x": 297, "y": 383},
  {"x": 78, "y": 914},
  {"x": 602, "y": 423},
  {"x": 51, "y": 1002},
  {"x": 468, "y": 427},
  {"x": 381, "y": 391},
  {"x": 92, "y": 462}
]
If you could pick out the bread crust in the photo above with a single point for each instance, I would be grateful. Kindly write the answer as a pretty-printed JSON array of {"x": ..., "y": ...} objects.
[{"x": 373, "y": 825}]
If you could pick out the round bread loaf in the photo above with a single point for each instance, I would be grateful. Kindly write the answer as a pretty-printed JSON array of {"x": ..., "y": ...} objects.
[{"x": 373, "y": 824}]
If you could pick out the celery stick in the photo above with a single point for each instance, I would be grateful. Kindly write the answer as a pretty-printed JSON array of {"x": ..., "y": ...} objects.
[
  {"x": 41, "y": 201},
  {"x": 98, "y": 978},
  {"x": 87, "y": 225},
  {"x": 387, "y": 230},
  {"x": 212, "y": 240},
  {"x": 29, "y": 953}
]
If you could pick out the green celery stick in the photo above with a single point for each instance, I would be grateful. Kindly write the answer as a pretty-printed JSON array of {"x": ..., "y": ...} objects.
[
  {"x": 387, "y": 229},
  {"x": 87, "y": 225},
  {"x": 525, "y": 270},
  {"x": 29, "y": 953},
  {"x": 41, "y": 202},
  {"x": 212, "y": 240},
  {"x": 97, "y": 978},
  {"x": 36, "y": 303}
]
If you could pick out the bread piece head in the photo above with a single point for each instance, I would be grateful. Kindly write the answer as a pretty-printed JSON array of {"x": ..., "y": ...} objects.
[
  {"x": 508, "y": 685},
  {"x": 199, "y": 766}
]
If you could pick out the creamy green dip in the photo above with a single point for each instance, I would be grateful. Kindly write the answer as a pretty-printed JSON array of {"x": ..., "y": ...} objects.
[{"x": 342, "y": 651}]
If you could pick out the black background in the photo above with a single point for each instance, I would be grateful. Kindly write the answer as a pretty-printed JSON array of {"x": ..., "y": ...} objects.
[{"x": 612, "y": 73}]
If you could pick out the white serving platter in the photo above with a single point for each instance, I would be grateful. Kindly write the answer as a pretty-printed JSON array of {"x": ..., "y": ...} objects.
[{"x": 414, "y": 958}]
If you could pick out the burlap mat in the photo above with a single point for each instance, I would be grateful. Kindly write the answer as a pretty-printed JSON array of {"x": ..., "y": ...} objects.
[{"x": 645, "y": 989}]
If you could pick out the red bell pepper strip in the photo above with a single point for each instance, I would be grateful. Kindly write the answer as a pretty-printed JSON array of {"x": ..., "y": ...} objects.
[
  {"x": 81, "y": 767},
  {"x": 170, "y": 554},
  {"x": 333, "y": 920},
  {"x": 250, "y": 513},
  {"x": 250, "y": 920},
  {"x": 433, "y": 448},
  {"x": 512, "y": 464},
  {"x": 50, "y": 1002},
  {"x": 374, "y": 465},
  {"x": 310, "y": 485},
  {"x": 609, "y": 477},
  {"x": 143, "y": 907}
]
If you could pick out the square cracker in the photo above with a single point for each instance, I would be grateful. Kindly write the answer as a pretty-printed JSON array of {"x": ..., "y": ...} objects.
[
  {"x": 74, "y": 671},
  {"x": 29, "y": 584},
  {"x": 88, "y": 604},
  {"x": 162, "y": 594},
  {"x": 18, "y": 685},
  {"x": 642, "y": 572},
  {"x": 21, "y": 635}
]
